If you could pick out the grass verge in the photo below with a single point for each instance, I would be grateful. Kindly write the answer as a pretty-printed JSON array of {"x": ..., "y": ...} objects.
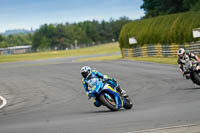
[
  {"x": 162, "y": 60},
  {"x": 95, "y": 50},
  {"x": 102, "y": 58}
]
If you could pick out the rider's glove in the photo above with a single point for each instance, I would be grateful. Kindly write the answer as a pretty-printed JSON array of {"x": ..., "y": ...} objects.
[
  {"x": 105, "y": 80},
  {"x": 109, "y": 78}
]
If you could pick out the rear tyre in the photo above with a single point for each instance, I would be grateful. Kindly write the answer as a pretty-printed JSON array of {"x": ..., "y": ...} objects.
[
  {"x": 111, "y": 104},
  {"x": 196, "y": 76},
  {"x": 128, "y": 104}
]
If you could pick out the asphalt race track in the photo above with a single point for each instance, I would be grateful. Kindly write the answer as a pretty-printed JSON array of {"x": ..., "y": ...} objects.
[{"x": 47, "y": 96}]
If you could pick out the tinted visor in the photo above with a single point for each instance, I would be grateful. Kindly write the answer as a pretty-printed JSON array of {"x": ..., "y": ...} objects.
[
  {"x": 181, "y": 54},
  {"x": 84, "y": 74}
]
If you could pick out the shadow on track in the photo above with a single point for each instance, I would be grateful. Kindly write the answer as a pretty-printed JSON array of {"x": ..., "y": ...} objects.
[
  {"x": 195, "y": 88},
  {"x": 105, "y": 111}
]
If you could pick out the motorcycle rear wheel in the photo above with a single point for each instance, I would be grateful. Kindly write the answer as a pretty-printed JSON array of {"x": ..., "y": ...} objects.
[
  {"x": 196, "y": 76},
  {"x": 128, "y": 104}
]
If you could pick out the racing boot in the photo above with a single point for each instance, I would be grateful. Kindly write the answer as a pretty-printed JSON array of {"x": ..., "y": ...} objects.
[
  {"x": 97, "y": 104},
  {"x": 122, "y": 92}
]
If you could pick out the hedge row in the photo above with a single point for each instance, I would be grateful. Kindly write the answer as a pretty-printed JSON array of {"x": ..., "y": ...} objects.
[{"x": 176, "y": 28}]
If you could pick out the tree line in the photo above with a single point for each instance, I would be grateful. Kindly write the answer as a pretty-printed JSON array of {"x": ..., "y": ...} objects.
[
  {"x": 15, "y": 40},
  {"x": 154, "y": 8},
  {"x": 62, "y": 36}
]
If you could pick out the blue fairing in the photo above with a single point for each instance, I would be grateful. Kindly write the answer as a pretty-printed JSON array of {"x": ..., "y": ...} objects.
[{"x": 97, "y": 87}]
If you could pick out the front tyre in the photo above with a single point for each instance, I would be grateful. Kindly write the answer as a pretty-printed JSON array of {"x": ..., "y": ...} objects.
[{"x": 110, "y": 103}]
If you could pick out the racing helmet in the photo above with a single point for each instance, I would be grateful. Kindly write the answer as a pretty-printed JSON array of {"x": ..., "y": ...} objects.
[
  {"x": 181, "y": 52},
  {"x": 85, "y": 71}
]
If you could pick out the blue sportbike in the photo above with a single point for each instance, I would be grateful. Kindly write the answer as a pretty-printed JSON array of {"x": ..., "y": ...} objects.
[{"x": 107, "y": 95}]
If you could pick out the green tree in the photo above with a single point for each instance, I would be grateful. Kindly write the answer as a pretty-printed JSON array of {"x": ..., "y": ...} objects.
[
  {"x": 154, "y": 8},
  {"x": 3, "y": 44},
  {"x": 195, "y": 6},
  {"x": 44, "y": 36},
  {"x": 188, "y": 4},
  {"x": 1, "y": 38},
  {"x": 91, "y": 30},
  {"x": 45, "y": 44},
  {"x": 61, "y": 36},
  {"x": 117, "y": 25}
]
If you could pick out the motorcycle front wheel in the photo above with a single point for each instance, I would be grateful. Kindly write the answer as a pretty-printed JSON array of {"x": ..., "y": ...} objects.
[{"x": 108, "y": 102}]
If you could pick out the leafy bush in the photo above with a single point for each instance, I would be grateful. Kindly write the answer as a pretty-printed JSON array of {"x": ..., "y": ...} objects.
[{"x": 176, "y": 28}]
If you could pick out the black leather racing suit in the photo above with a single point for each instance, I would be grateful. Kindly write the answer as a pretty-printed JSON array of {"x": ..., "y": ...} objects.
[{"x": 186, "y": 57}]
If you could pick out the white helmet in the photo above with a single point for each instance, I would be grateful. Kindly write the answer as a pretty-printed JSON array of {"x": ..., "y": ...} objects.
[
  {"x": 85, "y": 71},
  {"x": 181, "y": 52}
]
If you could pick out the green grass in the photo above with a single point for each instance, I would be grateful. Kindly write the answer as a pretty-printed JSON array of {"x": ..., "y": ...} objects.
[
  {"x": 95, "y": 50},
  {"x": 102, "y": 58},
  {"x": 162, "y": 60}
]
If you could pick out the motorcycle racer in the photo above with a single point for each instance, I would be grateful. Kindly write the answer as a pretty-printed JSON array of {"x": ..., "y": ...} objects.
[
  {"x": 183, "y": 57},
  {"x": 87, "y": 74}
]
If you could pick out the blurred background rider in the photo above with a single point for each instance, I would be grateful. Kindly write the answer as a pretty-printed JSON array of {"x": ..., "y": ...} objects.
[{"x": 183, "y": 57}]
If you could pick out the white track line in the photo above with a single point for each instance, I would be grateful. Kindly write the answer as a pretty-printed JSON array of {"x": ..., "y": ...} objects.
[
  {"x": 173, "y": 129},
  {"x": 4, "y": 102}
]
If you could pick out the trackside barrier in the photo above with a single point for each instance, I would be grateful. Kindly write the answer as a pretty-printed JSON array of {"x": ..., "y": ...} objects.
[{"x": 159, "y": 50}]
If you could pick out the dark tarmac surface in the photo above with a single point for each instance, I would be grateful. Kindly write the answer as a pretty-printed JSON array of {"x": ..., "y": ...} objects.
[{"x": 47, "y": 96}]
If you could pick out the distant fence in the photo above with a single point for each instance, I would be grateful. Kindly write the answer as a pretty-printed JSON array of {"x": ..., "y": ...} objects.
[
  {"x": 160, "y": 50},
  {"x": 15, "y": 50}
]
